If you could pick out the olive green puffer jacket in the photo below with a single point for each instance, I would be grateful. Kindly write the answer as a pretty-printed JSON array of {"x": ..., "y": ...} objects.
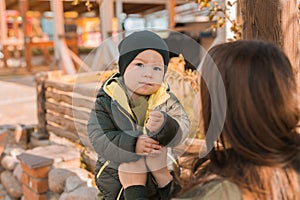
[{"x": 112, "y": 127}]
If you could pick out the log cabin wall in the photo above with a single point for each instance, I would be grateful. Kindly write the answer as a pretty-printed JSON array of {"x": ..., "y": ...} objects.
[{"x": 64, "y": 103}]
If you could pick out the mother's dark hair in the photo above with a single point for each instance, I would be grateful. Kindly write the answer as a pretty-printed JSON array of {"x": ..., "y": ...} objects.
[{"x": 259, "y": 145}]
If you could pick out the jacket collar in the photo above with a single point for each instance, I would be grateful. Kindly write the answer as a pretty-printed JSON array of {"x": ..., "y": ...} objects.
[{"x": 113, "y": 88}]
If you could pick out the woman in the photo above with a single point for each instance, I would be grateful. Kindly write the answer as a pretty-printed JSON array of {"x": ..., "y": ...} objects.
[{"x": 257, "y": 153}]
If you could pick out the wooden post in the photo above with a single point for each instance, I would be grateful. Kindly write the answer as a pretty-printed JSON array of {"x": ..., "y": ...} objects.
[
  {"x": 3, "y": 31},
  {"x": 59, "y": 30},
  {"x": 28, "y": 54},
  {"x": 273, "y": 21},
  {"x": 61, "y": 50},
  {"x": 3, "y": 26},
  {"x": 106, "y": 16},
  {"x": 23, "y": 6},
  {"x": 170, "y": 5},
  {"x": 40, "y": 79},
  {"x": 119, "y": 10}
]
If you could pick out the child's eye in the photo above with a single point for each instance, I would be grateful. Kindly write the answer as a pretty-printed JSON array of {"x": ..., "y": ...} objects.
[
  {"x": 157, "y": 68},
  {"x": 139, "y": 64}
]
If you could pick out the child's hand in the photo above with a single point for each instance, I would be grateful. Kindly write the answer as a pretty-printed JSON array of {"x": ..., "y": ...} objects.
[
  {"x": 146, "y": 145},
  {"x": 155, "y": 121}
]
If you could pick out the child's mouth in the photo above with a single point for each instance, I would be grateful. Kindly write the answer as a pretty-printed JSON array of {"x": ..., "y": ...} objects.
[{"x": 144, "y": 83}]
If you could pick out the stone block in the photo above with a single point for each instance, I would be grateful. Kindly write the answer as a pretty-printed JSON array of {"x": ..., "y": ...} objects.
[
  {"x": 3, "y": 138},
  {"x": 9, "y": 163},
  {"x": 18, "y": 172},
  {"x": 11, "y": 185},
  {"x": 82, "y": 193},
  {"x": 39, "y": 185},
  {"x": 41, "y": 172},
  {"x": 31, "y": 195},
  {"x": 61, "y": 155},
  {"x": 72, "y": 183},
  {"x": 35, "y": 166},
  {"x": 57, "y": 179},
  {"x": 25, "y": 179}
]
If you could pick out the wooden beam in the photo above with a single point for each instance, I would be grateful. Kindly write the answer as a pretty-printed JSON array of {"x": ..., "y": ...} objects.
[
  {"x": 153, "y": 10},
  {"x": 11, "y": 3},
  {"x": 65, "y": 56},
  {"x": 59, "y": 85},
  {"x": 73, "y": 112},
  {"x": 23, "y": 6},
  {"x": 170, "y": 5},
  {"x": 196, "y": 26},
  {"x": 59, "y": 131},
  {"x": 81, "y": 7},
  {"x": 106, "y": 16},
  {"x": 40, "y": 79},
  {"x": 141, "y": 9},
  {"x": 57, "y": 9},
  {"x": 152, "y": 1},
  {"x": 3, "y": 26},
  {"x": 3, "y": 33},
  {"x": 40, "y": 6},
  {"x": 62, "y": 56},
  {"x": 77, "y": 101},
  {"x": 119, "y": 10}
]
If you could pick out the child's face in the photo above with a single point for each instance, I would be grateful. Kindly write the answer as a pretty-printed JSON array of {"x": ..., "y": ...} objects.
[{"x": 144, "y": 75}]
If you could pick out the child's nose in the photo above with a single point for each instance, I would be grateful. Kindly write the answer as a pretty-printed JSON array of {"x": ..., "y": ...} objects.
[{"x": 148, "y": 72}]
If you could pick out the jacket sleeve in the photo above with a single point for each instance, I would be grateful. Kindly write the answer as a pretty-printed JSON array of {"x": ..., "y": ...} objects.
[
  {"x": 176, "y": 125},
  {"x": 108, "y": 141}
]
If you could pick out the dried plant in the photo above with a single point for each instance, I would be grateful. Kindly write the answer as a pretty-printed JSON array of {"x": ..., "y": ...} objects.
[
  {"x": 221, "y": 15},
  {"x": 88, "y": 4}
]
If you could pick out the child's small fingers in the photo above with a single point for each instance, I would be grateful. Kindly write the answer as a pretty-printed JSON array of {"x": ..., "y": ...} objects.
[
  {"x": 151, "y": 141},
  {"x": 155, "y": 124},
  {"x": 155, "y": 114},
  {"x": 149, "y": 127},
  {"x": 155, "y": 120},
  {"x": 153, "y": 146},
  {"x": 154, "y": 153},
  {"x": 143, "y": 137},
  {"x": 147, "y": 150}
]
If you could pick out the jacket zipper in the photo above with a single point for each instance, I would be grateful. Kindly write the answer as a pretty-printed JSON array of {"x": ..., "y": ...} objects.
[
  {"x": 102, "y": 168},
  {"x": 125, "y": 114}
]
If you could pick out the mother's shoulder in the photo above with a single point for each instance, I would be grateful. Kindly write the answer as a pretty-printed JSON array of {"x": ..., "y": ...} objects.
[{"x": 215, "y": 189}]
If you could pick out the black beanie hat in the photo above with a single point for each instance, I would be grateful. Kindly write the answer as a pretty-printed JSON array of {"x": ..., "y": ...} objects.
[{"x": 140, "y": 41}]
